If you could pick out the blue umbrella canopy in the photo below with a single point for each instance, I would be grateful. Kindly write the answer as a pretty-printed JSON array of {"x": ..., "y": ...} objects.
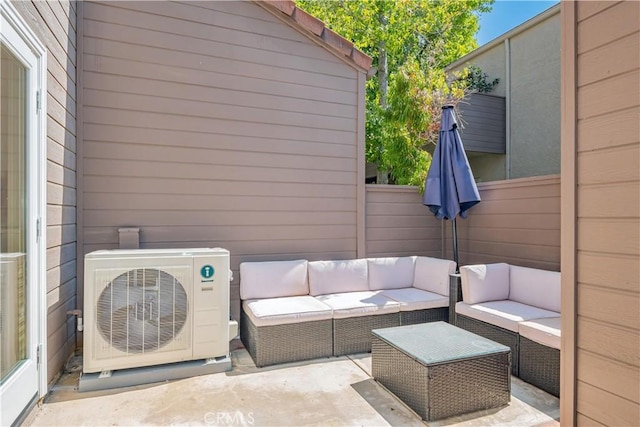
[{"x": 450, "y": 189}]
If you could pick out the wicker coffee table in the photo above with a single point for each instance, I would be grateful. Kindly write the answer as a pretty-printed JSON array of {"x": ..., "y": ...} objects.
[{"x": 440, "y": 370}]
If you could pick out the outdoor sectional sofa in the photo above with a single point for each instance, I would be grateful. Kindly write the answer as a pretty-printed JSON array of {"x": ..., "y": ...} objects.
[
  {"x": 297, "y": 310},
  {"x": 518, "y": 307}
]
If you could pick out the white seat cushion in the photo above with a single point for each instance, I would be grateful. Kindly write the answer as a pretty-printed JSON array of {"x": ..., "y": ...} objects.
[
  {"x": 411, "y": 299},
  {"x": 432, "y": 274},
  {"x": 355, "y": 304},
  {"x": 543, "y": 331},
  {"x": 505, "y": 314},
  {"x": 272, "y": 279},
  {"x": 282, "y": 311},
  {"x": 330, "y": 277},
  {"x": 484, "y": 282},
  {"x": 390, "y": 273},
  {"x": 540, "y": 288}
]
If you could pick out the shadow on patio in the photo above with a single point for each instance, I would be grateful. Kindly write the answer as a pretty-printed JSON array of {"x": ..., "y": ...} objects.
[{"x": 330, "y": 392}]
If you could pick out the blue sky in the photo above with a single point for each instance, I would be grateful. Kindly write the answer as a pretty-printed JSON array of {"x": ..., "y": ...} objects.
[{"x": 507, "y": 14}]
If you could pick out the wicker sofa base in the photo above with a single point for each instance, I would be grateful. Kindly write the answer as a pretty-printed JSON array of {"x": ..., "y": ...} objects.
[
  {"x": 540, "y": 365},
  {"x": 424, "y": 316},
  {"x": 494, "y": 333},
  {"x": 353, "y": 334},
  {"x": 444, "y": 390},
  {"x": 270, "y": 345}
]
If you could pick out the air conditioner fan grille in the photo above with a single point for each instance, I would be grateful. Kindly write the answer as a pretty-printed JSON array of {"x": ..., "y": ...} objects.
[{"x": 142, "y": 310}]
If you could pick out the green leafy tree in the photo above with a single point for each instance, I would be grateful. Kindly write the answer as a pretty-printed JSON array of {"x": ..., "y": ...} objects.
[
  {"x": 475, "y": 79},
  {"x": 411, "y": 123},
  {"x": 410, "y": 42}
]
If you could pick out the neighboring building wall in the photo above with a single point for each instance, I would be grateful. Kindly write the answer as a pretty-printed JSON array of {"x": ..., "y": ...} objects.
[
  {"x": 517, "y": 222},
  {"x": 534, "y": 100},
  {"x": 398, "y": 224},
  {"x": 54, "y": 23},
  {"x": 527, "y": 62},
  {"x": 492, "y": 62},
  {"x": 603, "y": 158},
  {"x": 215, "y": 124},
  {"x": 487, "y": 167}
]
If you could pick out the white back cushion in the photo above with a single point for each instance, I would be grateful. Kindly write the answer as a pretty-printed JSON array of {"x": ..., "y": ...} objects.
[
  {"x": 432, "y": 274},
  {"x": 271, "y": 279},
  {"x": 540, "y": 288},
  {"x": 390, "y": 273},
  {"x": 332, "y": 277},
  {"x": 484, "y": 282}
]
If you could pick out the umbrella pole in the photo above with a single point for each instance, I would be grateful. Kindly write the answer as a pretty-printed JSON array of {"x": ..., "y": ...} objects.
[{"x": 455, "y": 244}]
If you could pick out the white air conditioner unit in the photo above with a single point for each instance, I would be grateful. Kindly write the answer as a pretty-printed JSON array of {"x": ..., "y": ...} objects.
[{"x": 151, "y": 307}]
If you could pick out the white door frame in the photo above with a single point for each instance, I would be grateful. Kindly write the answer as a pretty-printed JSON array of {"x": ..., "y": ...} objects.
[{"x": 23, "y": 43}]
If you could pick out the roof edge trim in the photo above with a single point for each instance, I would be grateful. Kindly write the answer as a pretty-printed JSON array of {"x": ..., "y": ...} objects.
[
  {"x": 317, "y": 31},
  {"x": 543, "y": 16}
]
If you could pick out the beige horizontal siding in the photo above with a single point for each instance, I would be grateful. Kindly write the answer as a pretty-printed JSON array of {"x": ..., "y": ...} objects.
[
  {"x": 610, "y": 306},
  {"x": 125, "y": 51},
  {"x": 610, "y": 130},
  {"x": 398, "y": 224},
  {"x": 619, "y": 20},
  {"x": 240, "y": 98},
  {"x": 215, "y": 124},
  {"x": 606, "y": 408},
  {"x": 199, "y": 156},
  {"x": 608, "y": 213},
  {"x": 609, "y": 95},
  {"x": 213, "y": 110},
  {"x": 239, "y": 143},
  {"x": 623, "y": 379},
  {"x": 248, "y": 44},
  {"x": 54, "y": 23},
  {"x": 517, "y": 222},
  {"x": 581, "y": 420},
  {"x": 590, "y": 8},
  {"x": 613, "y": 271},
  {"x": 619, "y": 57}
]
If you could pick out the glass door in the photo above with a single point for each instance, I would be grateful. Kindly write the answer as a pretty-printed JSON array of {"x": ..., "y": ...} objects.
[
  {"x": 21, "y": 210},
  {"x": 13, "y": 214}
]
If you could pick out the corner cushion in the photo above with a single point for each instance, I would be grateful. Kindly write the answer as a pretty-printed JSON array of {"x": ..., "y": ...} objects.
[
  {"x": 432, "y": 274},
  {"x": 330, "y": 277},
  {"x": 540, "y": 288},
  {"x": 411, "y": 299},
  {"x": 356, "y": 304},
  {"x": 390, "y": 273},
  {"x": 505, "y": 314},
  {"x": 543, "y": 331},
  {"x": 484, "y": 282},
  {"x": 272, "y": 279},
  {"x": 287, "y": 310}
]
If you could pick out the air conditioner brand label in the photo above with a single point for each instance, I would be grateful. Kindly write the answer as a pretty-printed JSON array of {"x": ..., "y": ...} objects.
[{"x": 207, "y": 272}]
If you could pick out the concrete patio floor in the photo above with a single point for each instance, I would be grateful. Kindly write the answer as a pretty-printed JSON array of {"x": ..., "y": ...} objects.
[{"x": 337, "y": 391}]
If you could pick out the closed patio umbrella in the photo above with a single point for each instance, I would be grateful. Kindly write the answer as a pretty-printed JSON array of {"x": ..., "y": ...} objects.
[{"x": 450, "y": 188}]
